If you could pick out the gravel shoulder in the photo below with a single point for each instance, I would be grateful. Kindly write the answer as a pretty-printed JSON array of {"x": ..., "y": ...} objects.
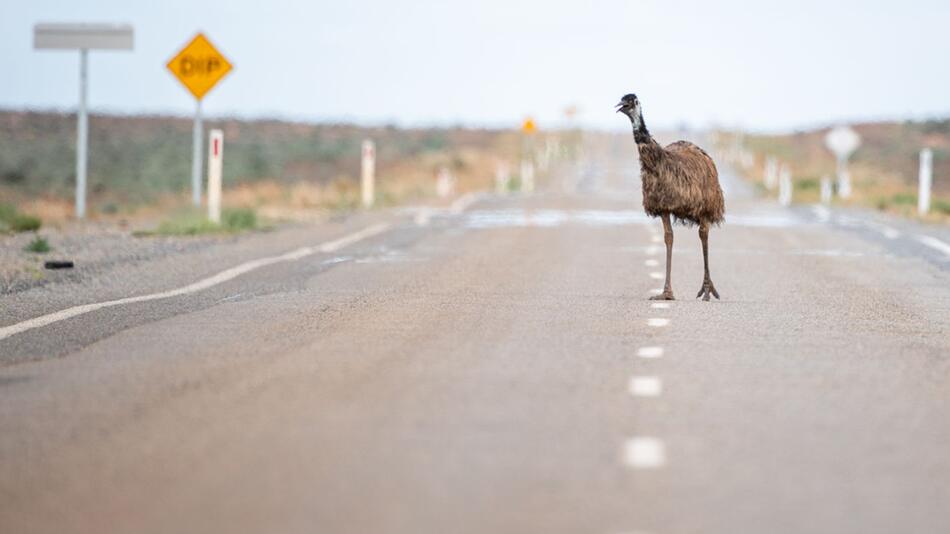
[{"x": 112, "y": 263}]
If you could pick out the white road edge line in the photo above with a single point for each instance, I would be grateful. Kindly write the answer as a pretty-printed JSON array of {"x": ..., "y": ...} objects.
[
  {"x": 211, "y": 281},
  {"x": 934, "y": 243},
  {"x": 644, "y": 453},
  {"x": 423, "y": 216},
  {"x": 463, "y": 202}
]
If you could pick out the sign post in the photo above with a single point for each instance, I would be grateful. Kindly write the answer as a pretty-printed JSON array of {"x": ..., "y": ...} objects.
[
  {"x": 197, "y": 131},
  {"x": 843, "y": 141},
  {"x": 502, "y": 178},
  {"x": 527, "y": 176},
  {"x": 826, "y": 190},
  {"x": 199, "y": 66},
  {"x": 368, "y": 173},
  {"x": 528, "y": 128},
  {"x": 215, "y": 163},
  {"x": 82, "y": 37}
]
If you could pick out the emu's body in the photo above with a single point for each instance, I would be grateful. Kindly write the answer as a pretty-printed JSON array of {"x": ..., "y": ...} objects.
[{"x": 679, "y": 181}]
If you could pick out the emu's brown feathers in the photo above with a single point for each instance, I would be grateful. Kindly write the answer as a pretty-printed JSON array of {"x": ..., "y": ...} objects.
[{"x": 682, "y": 180}]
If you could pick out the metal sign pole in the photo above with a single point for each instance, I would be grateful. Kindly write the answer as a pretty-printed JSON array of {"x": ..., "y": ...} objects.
[
  {"x": 196, "y": 153},
  {"x": 82, "y": 37},
  {"x": 82, "y": 134},
  {"x": 844, "y": 178}
]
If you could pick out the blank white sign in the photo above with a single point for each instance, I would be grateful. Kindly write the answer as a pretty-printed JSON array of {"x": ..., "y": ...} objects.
[{"x": 89, "y": 36}]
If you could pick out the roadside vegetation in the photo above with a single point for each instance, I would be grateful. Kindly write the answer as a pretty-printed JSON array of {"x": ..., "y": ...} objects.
[
  {"x": 13, "y": 221},
  {"x": 884, "y": 169},
  {"x": 38, "y": 245},
  {"x": 194, "y": 222},
  {"x": 140, "y": 166}
]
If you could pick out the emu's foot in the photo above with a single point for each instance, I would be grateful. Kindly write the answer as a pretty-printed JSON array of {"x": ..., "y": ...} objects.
[
  {"x": 707, "y": 289},
  {"x": 667, "y": 294}
]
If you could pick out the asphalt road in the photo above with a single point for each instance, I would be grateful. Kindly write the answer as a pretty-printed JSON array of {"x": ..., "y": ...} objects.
[{"x": 496, "y": 369}]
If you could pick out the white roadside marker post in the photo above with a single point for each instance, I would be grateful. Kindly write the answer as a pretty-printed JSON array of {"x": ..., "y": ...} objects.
[
  {"x": 215, "y": 164},
  {"x": 826, "y": 191},
  {"x": 785, "y": 186},
  {"x": 368, "y": 173},
  {"x": 82, "y": 37},
  {"x": 444, "y": 183},
  {"x": 771, "y": 173},
  {"x": 925, "y": 179}
]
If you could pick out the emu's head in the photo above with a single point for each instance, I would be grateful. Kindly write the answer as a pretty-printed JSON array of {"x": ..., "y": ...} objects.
[{"x": 630, "y": 106}]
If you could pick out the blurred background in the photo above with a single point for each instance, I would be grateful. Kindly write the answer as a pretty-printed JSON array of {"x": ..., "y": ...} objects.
[{"x": 446, "y": 86}]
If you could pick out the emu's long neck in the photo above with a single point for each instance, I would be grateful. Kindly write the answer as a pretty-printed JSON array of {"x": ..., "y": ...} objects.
[{"x": 650, "y": 151}]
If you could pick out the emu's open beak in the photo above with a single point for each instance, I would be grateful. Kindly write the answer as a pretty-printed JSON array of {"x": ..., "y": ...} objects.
[{"x": 620, "y": 106}]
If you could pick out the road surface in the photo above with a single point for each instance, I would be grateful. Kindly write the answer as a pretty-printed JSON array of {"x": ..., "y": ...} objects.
[{"x": 495, "y": 367}]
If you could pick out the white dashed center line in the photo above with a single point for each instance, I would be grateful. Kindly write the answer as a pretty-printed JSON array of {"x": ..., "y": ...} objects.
[
  {"x": 651, "y": 263},
  {"x": 656, "y": 276},
  {"x": 657, "y": 321},
  {"x": 650, "y": 352},
  {"x": 645, "y": 386},
  {"x": 655, "y": 238},
  {"x": 644, "y": 453},
  {"x": 660, "y": 305}
]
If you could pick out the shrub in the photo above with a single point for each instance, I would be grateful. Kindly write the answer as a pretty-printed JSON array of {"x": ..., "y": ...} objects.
[
  {"x": 197, "y": 223},
  {"x": 905, "y": 199},
  {"x": 25, "y": 223},
  {"x": 236, "y": 220},
  {"x": 807, "y": 184},
  {"x": 11, "y": 220},
  {"x": 38, "y": 245}
]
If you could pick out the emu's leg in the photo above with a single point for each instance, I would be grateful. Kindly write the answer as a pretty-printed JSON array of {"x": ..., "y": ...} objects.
[
  {"x": 708, "y": 288},
  {"x": 667, "y": 293}
]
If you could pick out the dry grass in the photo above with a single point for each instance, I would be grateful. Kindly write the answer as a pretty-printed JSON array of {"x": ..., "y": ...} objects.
[{"x": 883, "y": 170}]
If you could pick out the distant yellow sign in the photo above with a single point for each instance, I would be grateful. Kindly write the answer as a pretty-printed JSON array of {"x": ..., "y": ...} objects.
[
  {"x": 199, "y": 66},
  {"x": 529, "y": 126}
]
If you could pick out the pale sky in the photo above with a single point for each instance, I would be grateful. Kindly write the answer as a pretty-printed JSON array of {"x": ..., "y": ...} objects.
[{"x": 760, "y": 65}]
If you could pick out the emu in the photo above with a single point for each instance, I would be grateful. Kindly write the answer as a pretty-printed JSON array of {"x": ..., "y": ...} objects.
[{"x": 679, "y": 181}]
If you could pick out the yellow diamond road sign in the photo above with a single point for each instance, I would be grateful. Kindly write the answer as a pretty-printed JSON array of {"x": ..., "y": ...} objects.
[
  {"x": 199, "y": 66},
  {"x": 528, "y": 126}
]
